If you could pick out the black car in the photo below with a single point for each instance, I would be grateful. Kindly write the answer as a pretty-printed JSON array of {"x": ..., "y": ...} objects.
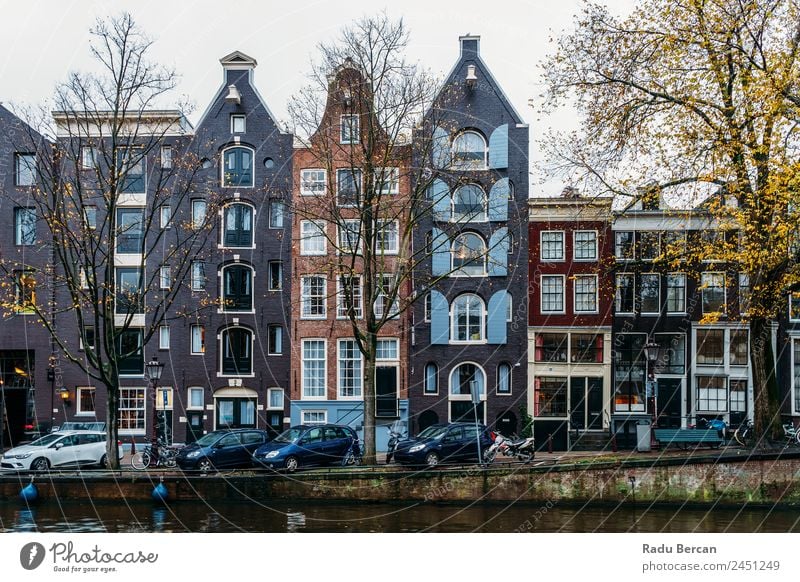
[
  {"x": 444, "y": 443},
  {"x": 313, "y": 444},
  {"x": 222, "y": 449}
]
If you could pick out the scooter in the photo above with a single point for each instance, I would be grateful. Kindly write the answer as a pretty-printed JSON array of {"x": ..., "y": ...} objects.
[
  {"x": 395, "y": 436},
  {"x": 522, "y": 449}
]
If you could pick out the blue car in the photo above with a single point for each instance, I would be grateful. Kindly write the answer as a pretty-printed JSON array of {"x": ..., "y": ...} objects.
[
  {"x": 222, "y": 449},
  {"x": 307, "y": 445},
  {"x": 456, "y": 442}
]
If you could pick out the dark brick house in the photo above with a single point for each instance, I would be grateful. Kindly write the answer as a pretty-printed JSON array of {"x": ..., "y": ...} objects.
[{"x": 469, "y": 331}]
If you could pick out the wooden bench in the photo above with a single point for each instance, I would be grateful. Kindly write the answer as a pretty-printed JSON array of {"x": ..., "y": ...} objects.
[{"x": 684, "y": 437}]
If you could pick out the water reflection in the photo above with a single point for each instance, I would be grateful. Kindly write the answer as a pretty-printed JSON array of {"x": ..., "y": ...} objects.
[{"x": 342, "y": 517}]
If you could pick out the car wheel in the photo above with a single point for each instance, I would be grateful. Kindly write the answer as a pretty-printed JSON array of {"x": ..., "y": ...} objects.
[
  {"x": 40, "y": 464},
  {"x": 104, "y": 462},
  {"x": 526, "y": 456},
  {"x": 292, "y": 464},
  {"x": 431, "y": 459},
  {"x": 205, "y": 466},
  {"x": 488, "y": 455}
]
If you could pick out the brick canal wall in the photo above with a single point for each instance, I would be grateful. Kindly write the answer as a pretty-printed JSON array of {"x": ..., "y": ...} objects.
[{"x": 768, "y": 479}]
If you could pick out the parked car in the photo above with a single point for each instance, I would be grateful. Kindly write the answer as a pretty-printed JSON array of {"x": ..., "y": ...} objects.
[
  {"x": 222, "y": 449},
  {"x": 305, "y": 445},
  {"x": 444, "y": 443},
  {"x": 63, "y": 449}
]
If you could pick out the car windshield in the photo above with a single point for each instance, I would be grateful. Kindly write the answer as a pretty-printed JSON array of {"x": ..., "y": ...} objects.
[
  {"x": 288, "y": 436},
  {"x": 432, "y": 432},
  {"x": 46, "y": 440},
  {"x": 208, "y": 439}
]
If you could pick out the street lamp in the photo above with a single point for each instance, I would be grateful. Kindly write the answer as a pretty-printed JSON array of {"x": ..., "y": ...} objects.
[
  {"x": 475, "y": 393},
  {"x": 651, "y": 353},
  {"x": 154, "y": 369}
]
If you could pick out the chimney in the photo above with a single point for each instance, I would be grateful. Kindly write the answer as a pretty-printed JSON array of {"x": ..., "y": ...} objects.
[{"x": 470, "y": 46}]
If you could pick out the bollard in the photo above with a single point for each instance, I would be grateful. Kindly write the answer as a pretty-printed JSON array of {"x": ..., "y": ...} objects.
[
  {"x": 133, "y": 446},
  {"x": 614, "y": 443},
  {"x": 549, "y": 443}
]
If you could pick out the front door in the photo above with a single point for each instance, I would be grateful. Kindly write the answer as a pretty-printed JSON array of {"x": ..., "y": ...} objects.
[
  {"x": 386, "y": 404},
  {"x": 594, "y": 404},
  {"x": 668, "y": 403},
  {"x": 164, "y": 426},
  {"x": 586, "y": 404},
  {"x": 577, "y": 404},
  {"x": 194, "y": 426}
]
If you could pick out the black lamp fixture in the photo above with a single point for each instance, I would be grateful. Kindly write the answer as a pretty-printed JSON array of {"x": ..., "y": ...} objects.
[
  {"x": 651, "y": 351},
  {"x": 63, "y": 393},
  {"x": 154, "y": 369}
]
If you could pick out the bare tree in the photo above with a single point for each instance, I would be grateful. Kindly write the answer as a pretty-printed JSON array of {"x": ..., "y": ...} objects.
[
  {"x": 112, "y": 187},
  {"x": 368, "y": 119}
]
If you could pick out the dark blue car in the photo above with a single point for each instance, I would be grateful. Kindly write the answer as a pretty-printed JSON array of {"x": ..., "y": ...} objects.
[
  {"x": 222, "y": 449},
  {"x": 456, "y": 442},
  {"x": 305, "y": 445}
]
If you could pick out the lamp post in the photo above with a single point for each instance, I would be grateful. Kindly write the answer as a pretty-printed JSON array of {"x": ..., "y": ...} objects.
[
  {"x": 651, "y": 353},
  {"x": 154, "y": 369},
  {"x": 475, "y": 393}
]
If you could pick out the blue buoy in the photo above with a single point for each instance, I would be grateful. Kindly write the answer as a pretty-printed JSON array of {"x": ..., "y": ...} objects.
[
  {"x": 160, "y": 492},
  {"x": 29, "y": 493}
]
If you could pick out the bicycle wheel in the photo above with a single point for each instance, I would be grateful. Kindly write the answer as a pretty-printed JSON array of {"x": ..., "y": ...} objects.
[
  {"x": 738, "y": 436},
  {"x": 137, "y": 461},
  {"x": 796, "y": 438}
]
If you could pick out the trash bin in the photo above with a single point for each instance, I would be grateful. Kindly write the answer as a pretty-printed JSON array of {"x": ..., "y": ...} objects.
[{"x": 643, "y": 436}]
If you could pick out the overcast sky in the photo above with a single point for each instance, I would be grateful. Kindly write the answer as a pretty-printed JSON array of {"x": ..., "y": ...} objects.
[{"x": 40, "y": 41}]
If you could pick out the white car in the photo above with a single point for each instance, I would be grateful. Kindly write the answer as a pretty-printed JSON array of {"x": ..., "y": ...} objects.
[{"x": 74, "y": 448}]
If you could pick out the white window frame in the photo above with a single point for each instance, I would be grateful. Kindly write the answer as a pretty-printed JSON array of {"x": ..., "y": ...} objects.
[
  {"x": 541, "y": 246},
  {"x": 391, "y": 178},
  {"x": 195, "y": 389},
  {"x": 704, "y": 288},
  {"x": 343, "y": 234},
  {"x": 575, "y": 294},
  {"x": 305, "y": 238},
  {"x": 453, "y": 324},
  {"x": 380, "y": 297},
  {"x": 633, "y": 245},
  {"x": 163, "y": 337},
  {"x": 303, "y": 299},
  {"x": 617, "y": 294},
  {"x": 541, "y": 295},
  {"x": 459, "y": 271},
  {"x": 793, "y": 319},
  {"x": 270, "y": 327},
  {"x": 166, "y": 157},
  {"x": 305, "y": 182},
  {"x": 392, "y": 249},
  {"x": 165, "y": 216},
  {"x": 277, "y": 211},
  {"x": 165, "y": 277},
  {"x": 425, "y": 379},
  {"x": 358, "y": 299},
  {"x": 270, "y": 266},
  {"x": 197, "y": 276},
  {"x": 510, "y": 379},
  {"x": 78, "y": 410},
  {"x": 392, "y": 340},
  {"x": 668, "y": 287},
  {"x": 744, "y": 300},
  {"x": 202, "y": 346},
  {"x": 304, "y": 420},
  {"x": 198, "y": 203},
  {"x": 575, "y": 246},
  {"x": 137, "y": 430},
  {"x": 19, "y": 165},
  {"x": 88, "y": 157},
  {"x": 359, "y": 186},
  {"x": 236, "y": 117},
  {"x": 358, "y": 375},
  {"x": 351, "y": 123},
  {"x": 324, "y": 395},
  {"x": 270, "y": 392}
]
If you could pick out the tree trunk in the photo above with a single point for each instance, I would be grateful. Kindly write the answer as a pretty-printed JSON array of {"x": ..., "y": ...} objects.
[
  {"x": 112, "y": 425},
  {"x": 369, "y": 408},
  {"x": 766, "y": 411}
]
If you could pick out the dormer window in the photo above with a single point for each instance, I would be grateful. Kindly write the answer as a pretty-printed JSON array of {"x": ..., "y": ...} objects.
[
  {"x": 349, "y": 129},
  {"x": 238, "y": 123}
]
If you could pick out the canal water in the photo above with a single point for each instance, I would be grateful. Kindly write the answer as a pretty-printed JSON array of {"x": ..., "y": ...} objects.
[{"x": 65, "y": 517}]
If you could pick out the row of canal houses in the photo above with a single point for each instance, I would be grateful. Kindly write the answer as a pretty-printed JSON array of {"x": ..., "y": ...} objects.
[{"x": 542, "y": 305}]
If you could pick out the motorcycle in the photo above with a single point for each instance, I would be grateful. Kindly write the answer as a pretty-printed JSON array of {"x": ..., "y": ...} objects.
[
  {"x": 522, "y": 449},
  {"x": 395, "y": 436}
]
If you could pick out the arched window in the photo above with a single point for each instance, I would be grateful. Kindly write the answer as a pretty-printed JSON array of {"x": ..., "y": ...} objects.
[
  {"x": 504, "y": 378},
  {"x": 237, "y": 351},
  {"x": 431, "y": 378},
  {"x": 469, "y": 255},
  {"x": 237, "y": 225},
  {"x": 468, "y": 319},
  {"x": 469, "y": 204},
  {"x": 237, "y": 167},
  {"x": 237, "y": 288},
  {"x": 469, "y": 151},
  {"x": 462, "y": 377}
]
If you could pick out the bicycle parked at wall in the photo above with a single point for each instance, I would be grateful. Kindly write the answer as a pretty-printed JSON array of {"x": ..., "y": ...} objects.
[
  {"x": 792, "y": 434},
  {"x": 162, "y": 456},
  {"x": 744, "y": 433}
]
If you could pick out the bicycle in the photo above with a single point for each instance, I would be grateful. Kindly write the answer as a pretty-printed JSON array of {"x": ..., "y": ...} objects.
[
  {"x": 743, "y": 433},
  {"x": 792, "y": 434},
  {"x": 354, "y": 455},
  {"x": 162, "y": 456}
]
